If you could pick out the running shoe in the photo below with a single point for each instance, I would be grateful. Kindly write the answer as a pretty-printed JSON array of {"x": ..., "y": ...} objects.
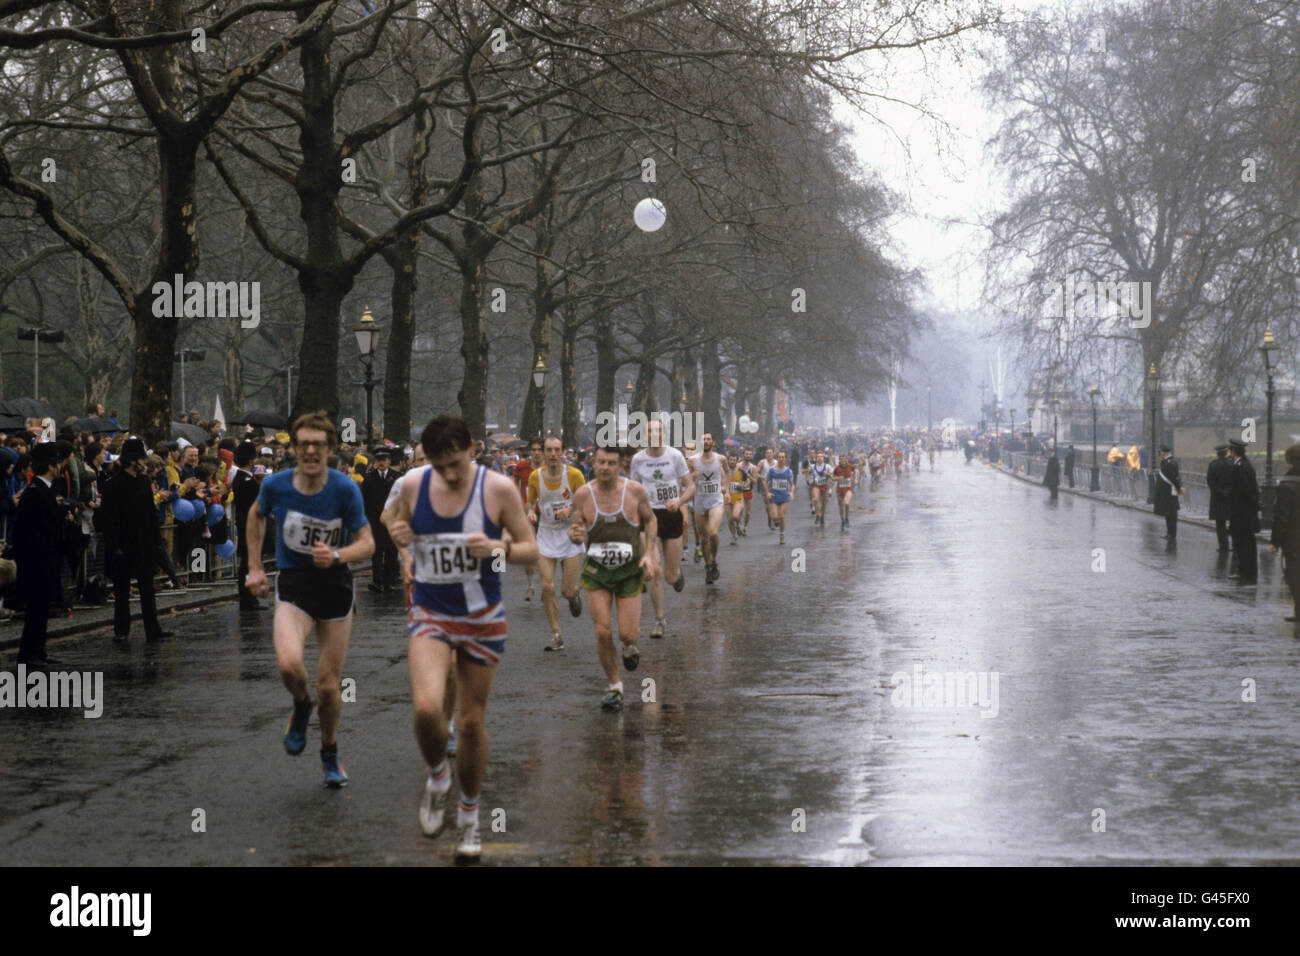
[
  {"x": 716, "y": 574},
  {"x": 469, "y": 845},
  {"x": 658, "y": 629},
  {"x": 528, "y": 595},
  {"x": 575, "y": 605},
  {"x": 699, "y": 554},
  {"x": 295, "y": 734},
  {"x": 732, "y": 542},
  {"x": 433, "y": 807},
  {"x": 680, "y": 582},
  {"x": 451, "y": 737},
  {"x": 631, "y": 656},
  {"x": 782, "y": 541},
  {"x": 557, "y": 643},
  {"x": 335, "y": 775},
  {"x": 613, "y": 700}
]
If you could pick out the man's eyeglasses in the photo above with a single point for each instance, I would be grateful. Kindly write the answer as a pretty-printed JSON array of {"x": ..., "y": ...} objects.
[{"x": 309, "y": 445}]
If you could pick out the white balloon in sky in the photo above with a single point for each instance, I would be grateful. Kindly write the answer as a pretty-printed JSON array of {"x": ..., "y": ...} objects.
[
  {"x": 743, "y": 422},
  {"x": 753, "y": 427},
  {"x": 649, "y": 215}
]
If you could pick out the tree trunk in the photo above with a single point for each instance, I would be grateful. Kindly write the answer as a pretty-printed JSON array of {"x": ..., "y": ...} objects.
[
  {"x": 711, "y": 399},
  {"x": 472, "y": 396},
  {"x": 403, "y": 260},
  {"x": 155, "y": 337},
  {"x": 324, "y": 282},
  {"x": 532, "y": 421},
  {"x": 769, "y": 410},
  {"x": 569, "y": 375},
  {"x": 608, "y": 395}
]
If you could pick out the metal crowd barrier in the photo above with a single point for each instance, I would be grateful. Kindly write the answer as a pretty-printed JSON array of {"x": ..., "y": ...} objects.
[{"x": 1117, "y": 481}]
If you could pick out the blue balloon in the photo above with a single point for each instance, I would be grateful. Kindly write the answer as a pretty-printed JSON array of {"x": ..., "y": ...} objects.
[
  {"x": 226, "y": 549},
  {"x": 215, "y": 514},
  {"x": 182, "y": 510}
]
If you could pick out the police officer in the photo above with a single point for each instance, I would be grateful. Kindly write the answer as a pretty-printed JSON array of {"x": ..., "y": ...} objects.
[
  {"x": 38, "y": 549},
  {"x": 1052, "y": 475},
  {"x": 1243, "y": 513},
  {"x": 132, "y": 538},
  {"x": 386, "y": 570},
  {"x": 1169, "y": 485},
  {"x": 1286, "y": 526},
  {"x": 1218, "y": 478},
  {"x": 245, "y": 488}
]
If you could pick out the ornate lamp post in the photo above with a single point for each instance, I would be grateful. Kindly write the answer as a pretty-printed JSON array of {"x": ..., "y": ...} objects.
[
  {"x": 1268, "y": 492},
  {"x": 367, "y": 333},
  {"x": 1153, "y": 376},
  {"x": 540, "y": 371},
  {"x": 1095, "y": 483}
]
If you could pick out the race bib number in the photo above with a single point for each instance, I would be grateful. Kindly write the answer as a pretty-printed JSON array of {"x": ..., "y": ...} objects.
[
  {"x": 708, "y": 488},
  {"x": 819, "y": 478},
  {"x": 444, "y": 559},
  {"x": 551, "y": 507},
  {"x": 780, "y": 484},
  {"x": 736, "y": 488},
  {"x": 665, "y": 493},
  {"x": 610, "y": 554},
  {"x": 302, "y": 531},
  {"x": 846, "y": 482}
]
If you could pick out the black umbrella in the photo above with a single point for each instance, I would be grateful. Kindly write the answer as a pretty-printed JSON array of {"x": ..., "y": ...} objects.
[
  {"x": 261, "y": 417},
  {"x": 27, "y": 408},
  {"x": 191, "y": 433},
  {"x": 97, "y": 425},
  {"x": 12, "y": 423}
]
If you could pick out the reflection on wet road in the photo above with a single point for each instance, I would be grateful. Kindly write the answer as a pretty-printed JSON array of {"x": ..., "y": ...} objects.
[{"x": 955, "y": 680}]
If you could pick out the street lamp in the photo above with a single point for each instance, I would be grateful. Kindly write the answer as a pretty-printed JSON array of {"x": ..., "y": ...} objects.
[
  {"x": 1267, "y": 349},
  {"x": 1095, "y": 483},
  {"x": 367, "y": 332},
  {"x": 37, "y": 336},
  {"x": 929, "y": 412},
  {"x": 287, "y": 374},
  {"x": 1153, "y": 376},
  {"x": 1056, "y": 404},
  {"x": 187, "y": 355},
  {"x": 540, "y": 371},
  {"x": 983, "y": 407}
]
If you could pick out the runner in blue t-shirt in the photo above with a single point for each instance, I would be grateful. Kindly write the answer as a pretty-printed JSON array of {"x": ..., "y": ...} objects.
[
  {"x": 317, "y": 512},
  {"x": 780, "y": 482}
]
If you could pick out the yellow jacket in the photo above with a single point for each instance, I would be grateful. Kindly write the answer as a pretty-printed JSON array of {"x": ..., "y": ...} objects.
[{"x": 1134, "y": 459}]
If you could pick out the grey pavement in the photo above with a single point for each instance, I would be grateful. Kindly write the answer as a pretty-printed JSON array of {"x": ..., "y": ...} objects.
[{"x": 782, "y": 697}]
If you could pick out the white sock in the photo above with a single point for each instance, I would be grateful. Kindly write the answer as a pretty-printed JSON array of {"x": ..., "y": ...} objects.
[
  {"x": 467, "y": 811},
  {"x": 441, "y": 776}
]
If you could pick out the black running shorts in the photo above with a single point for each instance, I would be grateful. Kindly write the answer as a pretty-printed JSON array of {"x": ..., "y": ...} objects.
[
  {"x": 669, "y": 522},
  {"x": 323, "y": 594}
]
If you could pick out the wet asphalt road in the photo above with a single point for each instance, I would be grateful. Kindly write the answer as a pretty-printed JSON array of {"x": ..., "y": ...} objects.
[{"x": 776, "y": 703}]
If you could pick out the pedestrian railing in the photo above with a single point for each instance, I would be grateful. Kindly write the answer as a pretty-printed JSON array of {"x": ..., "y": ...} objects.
[{"x": 1117, "y": 481}]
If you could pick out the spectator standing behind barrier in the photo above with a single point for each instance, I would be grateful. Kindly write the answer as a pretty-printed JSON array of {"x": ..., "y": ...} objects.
[
  {"x": 1218, "y": 478},
  {"x": 385, "y": 568},
  {"x": 38, "y": 549},
  {"x": 1243, "y": 513},
  {"x": 1069, "y": 464},
  {"x": 1286, "y": 526},
  {"x": 245, "y": 493},
  {"x": 131, "y": 542}
]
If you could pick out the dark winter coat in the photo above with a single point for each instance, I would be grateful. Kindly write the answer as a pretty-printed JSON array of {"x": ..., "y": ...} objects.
[
  {"x": 1286, "y": 515},
  {"x": 129, "y": 523},
  {"x": 38, "y": 543},
  {"x": 1168, "y": 480},
  {"x": 1243, "y": 504},
  {"x": 1218, "y": 477}
]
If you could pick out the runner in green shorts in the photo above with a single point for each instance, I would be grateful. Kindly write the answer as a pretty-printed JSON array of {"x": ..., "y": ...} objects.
[{"x": 613, "y": 519}]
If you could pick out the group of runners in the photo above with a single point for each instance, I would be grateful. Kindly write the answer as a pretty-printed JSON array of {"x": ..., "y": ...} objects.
[{"x": 458, "y": 524}]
